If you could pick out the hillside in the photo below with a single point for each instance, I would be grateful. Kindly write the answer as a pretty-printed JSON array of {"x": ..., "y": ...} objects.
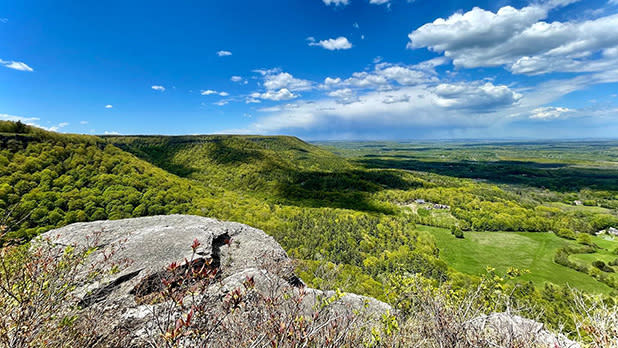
[
  {"x": 279, "y": 169},
  {"x": 50, "y": 180},
  {"x": 347, "y": 226}
]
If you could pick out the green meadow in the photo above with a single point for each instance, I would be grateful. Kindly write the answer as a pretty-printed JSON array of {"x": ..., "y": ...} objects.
[{"x": 533, "y": 251}]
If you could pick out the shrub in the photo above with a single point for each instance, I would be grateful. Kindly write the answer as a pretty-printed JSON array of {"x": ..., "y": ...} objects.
[
  {"x": 36, "y": 295},
  {"x": 585, "y": 239},
  {"x": 602, "y": 266},
  {"x": 566, "y": 233}
]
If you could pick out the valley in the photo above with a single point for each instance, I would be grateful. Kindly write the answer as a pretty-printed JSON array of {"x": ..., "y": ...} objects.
[{"x": 345, "y": 212}]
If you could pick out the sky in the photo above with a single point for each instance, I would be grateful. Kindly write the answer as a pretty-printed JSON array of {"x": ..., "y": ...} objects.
[{"x": 317, "y": 69}]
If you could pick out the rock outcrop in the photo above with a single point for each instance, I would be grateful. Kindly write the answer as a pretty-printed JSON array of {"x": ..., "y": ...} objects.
[
  {"x": 508, "y": 328},
  {"x": 125, "y": 301},
  {"x": 145, "y": 247}
]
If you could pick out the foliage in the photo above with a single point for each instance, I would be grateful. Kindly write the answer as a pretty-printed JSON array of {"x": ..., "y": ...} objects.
[{"x": 36, "y": 295}]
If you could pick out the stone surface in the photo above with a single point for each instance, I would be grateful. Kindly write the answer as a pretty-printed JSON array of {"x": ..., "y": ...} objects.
[
  {"x": 146, "y": 246},
  {"x": 518, "y": 328},
  {"x": 240, "y": 252}
]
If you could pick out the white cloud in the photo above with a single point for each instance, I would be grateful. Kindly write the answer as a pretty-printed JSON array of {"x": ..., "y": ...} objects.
[
  {"x": 211, "y": 92},
  {"x": 480, "y": 97},
  {"x": 158, "y": 88},
  {"x": 111, "y": 133},
  {"x": 366, "y": 80},
  {"x": 83, "y": 122},
  {"x": 15, "y": 65},
  {"x": 340, "y": 43},
  {"x": 336, "y": 2},
  {"x": 32, "y": 121},
  {"x": 281, "y": 94},
  {"x": 109, "y": 106},
  {"x": 222, "y": 102},
  {"x": 277, "y": 81},
  {"x": 473, "y": 104},
  {"x": 344, "y": 95},
  {"x": 224, "y": 53},
  {"x": 390, "y": 99},
  {"x": 379, "y": 2},
  {"x": 521, "y": 41},
  {"x": 238, "y": 79},
  {"x": 329, "y": 82},
  {"x": 403, "y": 75},
  {"x": 550, "y": 112},
  {"x": 57, "y": 127},
  {"x": 385, "y": 74}
]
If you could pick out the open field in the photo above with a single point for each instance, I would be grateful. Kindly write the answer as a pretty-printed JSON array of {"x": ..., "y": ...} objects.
[{"x": 524, "y": 250}]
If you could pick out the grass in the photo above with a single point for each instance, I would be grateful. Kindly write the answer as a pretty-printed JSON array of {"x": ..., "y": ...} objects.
[
  {"x": 583, "y": 208},
  {"x": 605, "y": 253},
  {"x": 525, "y": 250}
]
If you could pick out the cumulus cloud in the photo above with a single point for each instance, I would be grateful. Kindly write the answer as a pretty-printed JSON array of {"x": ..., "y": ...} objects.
[
  {"x": 224, "y": 53},
  {"x": 238, "y": 79},
  {"x": 276, "y": 95},
  {"x": 336, "y": 2},
  {"x": 109, "y": 106},
  {"x": 379, "y": 2},
  {"x": 485, "y": 97},
  {"x": 521, "y": 41},
  {"x": 16, "y": 65},
  {"x": 32, "y": 121},
  {"x": 278, "y": 80},
  {"x": 158, "y": 88},
  {"x": 550, "y": 112},
  {"x": 340, "y": 43},
  {"x": 385, "y": 75},
  {"x": 208, "y": 92},
  {"x": 344, "y": 95},
  {"x": 471, "y": 104},
  {"x": 392, "y": 99}
]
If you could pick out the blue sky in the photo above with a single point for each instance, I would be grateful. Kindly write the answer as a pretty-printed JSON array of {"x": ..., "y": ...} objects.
[{"x": 318, "y": 69}]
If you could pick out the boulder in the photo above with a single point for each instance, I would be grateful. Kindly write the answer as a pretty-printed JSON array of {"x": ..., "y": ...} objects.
[
  {"x": 503, "y": 329},
  {"x": 145, "y": 247}
]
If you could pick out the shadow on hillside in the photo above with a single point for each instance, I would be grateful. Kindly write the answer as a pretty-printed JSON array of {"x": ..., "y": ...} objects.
[
  {"x": 227, "y": 155},
  {"x": 273, "y": 179},
  {"x": 344, "y": 189},
  {"x": 554, "y": 176}
]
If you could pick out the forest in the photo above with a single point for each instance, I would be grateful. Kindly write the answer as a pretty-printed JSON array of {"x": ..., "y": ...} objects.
[{"x": 356, "y": 216}]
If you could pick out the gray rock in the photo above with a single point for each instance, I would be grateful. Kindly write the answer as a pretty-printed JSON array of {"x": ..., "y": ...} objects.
[
  {"x": 146, "y": 246},
  {"x": 506, "y": 328}
]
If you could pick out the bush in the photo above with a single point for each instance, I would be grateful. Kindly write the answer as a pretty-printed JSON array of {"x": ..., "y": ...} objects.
[
  {"x": 585, "y": 239},
  {"x": 602, "y": 266},
  {"x": 36, "y": 295},
  {"x": 566, "y": 233}
]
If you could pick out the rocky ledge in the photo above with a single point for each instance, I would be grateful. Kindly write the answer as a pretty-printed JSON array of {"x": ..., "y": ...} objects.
[
  {"x": 146, "y": 247},
  {"x": 250, "y": 296}
]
